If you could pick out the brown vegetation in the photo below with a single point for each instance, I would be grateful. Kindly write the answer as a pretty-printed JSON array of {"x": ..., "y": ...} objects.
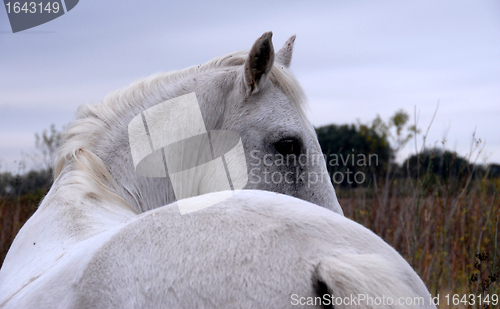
[{"x": 449, "y": 236}]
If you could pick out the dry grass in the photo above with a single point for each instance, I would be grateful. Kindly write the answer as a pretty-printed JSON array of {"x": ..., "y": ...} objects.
[{"x": 439, "y": 228}]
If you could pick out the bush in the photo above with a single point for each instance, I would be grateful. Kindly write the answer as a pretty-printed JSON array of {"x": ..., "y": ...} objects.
[{"x": 350, "y": 150}]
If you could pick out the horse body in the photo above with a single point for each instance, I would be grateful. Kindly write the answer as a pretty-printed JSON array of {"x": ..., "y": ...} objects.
[
  {"x": 257, "y": 249},
  {"x": 102, "y": 236}
]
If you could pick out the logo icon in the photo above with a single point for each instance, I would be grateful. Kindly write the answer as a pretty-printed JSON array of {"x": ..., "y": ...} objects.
[
  {"x": 28, "y": 14},
  {"x": 170, "y": 139}
]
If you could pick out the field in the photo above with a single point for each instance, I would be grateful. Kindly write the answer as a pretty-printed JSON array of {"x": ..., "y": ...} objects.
[{"x": 449, "y": 236}]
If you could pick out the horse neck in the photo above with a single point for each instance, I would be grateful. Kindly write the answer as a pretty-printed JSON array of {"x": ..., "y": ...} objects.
[{"x": 146, "y": 193}]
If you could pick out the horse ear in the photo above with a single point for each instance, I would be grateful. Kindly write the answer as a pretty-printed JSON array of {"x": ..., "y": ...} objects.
[
  {"x": 259, "y": 62},
  {"x": 284, "y": 55}
]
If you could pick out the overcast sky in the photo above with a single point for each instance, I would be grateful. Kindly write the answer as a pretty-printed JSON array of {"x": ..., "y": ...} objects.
[{"x": 354, "y": 59}]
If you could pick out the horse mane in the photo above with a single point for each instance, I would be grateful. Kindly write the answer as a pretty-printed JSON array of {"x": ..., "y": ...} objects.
[{"x": 77, "y": 152}]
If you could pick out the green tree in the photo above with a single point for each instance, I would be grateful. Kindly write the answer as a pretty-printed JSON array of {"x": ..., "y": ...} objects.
[
  {"x": 353, "y": 149},
  {"x": 378, "y": 140},
  {"x": 439, "y": 163}
]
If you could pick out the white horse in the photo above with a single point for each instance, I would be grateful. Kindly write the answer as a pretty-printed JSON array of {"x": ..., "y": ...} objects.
[{"x": 103, "y": 239}]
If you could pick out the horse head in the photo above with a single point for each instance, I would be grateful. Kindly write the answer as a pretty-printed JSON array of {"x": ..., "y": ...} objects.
[{"x": 251, "y": 93}]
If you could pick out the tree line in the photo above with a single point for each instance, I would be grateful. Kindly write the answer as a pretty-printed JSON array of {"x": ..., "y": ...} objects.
[
  {"x": 368, "y": 150},
  {"x": 385, "y": 139}
]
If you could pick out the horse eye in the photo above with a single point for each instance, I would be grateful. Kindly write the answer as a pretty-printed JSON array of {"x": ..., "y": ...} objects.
[{"x": 288, "y": 147}]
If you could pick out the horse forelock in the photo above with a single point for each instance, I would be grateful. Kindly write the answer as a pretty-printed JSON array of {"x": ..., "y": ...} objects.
[{"x": 94, "y": 121}]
